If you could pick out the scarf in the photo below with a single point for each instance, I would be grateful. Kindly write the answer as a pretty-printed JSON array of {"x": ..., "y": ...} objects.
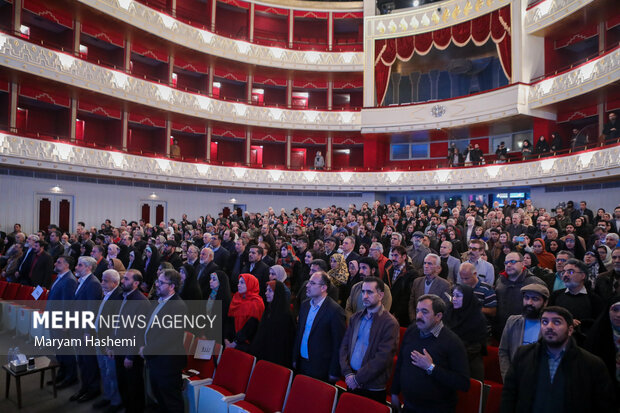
[{"x": 247, "y": 305}]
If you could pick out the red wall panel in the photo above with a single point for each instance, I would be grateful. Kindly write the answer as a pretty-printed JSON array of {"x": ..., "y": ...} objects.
[
  {"x": 231, "y": 151},
  {"x": 274, "y": 154},
  {"x": 439, "y": 149},
  {"x": 148, "y": 140},
  {"x": 231, "y": 22},
  {"x": 271, "y": 26}
]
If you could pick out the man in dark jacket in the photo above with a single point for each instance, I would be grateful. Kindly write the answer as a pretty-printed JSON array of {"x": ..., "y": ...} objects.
[
  {"x": 369, "y": 344},
  {"x": 400, "y": 279},
  {"x": 170, "y": 254},
  {"x": 39, "y": 268},
  {"x": 555, "y": 375}
]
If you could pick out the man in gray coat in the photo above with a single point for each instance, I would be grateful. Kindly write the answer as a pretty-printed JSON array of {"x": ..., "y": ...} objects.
[{"x": 523, "y": 328}]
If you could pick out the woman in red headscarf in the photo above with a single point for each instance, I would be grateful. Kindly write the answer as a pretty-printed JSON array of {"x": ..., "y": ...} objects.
[
  {"x": 291, "y": 264},
  {"x": 246, "y": 309},
  {"x": 545, "y": 258}
]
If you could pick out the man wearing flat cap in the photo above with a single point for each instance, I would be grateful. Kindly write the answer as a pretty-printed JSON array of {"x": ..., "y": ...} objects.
[{"x": 523, "y": 328}]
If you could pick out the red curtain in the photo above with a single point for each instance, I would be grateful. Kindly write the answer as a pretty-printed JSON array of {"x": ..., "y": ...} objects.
[{"x": 495, "y": 25}]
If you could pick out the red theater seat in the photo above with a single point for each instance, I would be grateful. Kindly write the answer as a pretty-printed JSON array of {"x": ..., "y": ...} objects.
[
  {"x": 267, "y": 391},
  {"x": 352, "y": 403},
  {"x": 470, "y": 401},
  {"x": 310, "y": 396}
]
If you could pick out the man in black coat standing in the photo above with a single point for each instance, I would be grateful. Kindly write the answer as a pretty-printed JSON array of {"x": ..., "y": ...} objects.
[
  {"x": 257, "y": 268},
  {"x": 555, "y": 375},
  {"x": 319, "y": 332}
]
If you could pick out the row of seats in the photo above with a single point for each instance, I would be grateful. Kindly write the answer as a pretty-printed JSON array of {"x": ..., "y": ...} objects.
[{"x": 18, "y": 317}]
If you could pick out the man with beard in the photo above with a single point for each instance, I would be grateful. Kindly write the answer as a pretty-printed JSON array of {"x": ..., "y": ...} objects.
[
  {"x": 524, "y": 328},
  {"x": 555, "y": 375}
]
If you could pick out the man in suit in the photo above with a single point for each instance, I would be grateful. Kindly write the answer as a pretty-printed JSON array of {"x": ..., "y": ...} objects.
[
  {"x": 26, "y": 262},
  {"x": 431, "y": 283},
  {"x": 257, "y": 268},
  {"x": 55, "y": 248},
  {"x": 348, "y": 245},
  {"x": 98, "y": 253},
  {"x": 193, "y": 257},
  {"x": 112, "y": 294},
  {"x": 63, "y": 290},
  {"x": 319, "y": 333},
  {"x": 130, "y": 366},
  {"x": 220, "y": 254},
  {"x": 163, "y": 347},
  {"x": 38, "y": 270},
  {"x": 237, "y": 260},
  {"x": 452, "y": 263},
  {"x": 88, "y": 289},
  {"x": 206, "y": 268}
]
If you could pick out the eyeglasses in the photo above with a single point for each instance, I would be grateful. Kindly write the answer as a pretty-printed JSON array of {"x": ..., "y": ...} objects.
[
  {"x": 476, "y": 248},
  {"x": 560, "y": 260},
  {"x": 512, "y": 262},
  {"x": 314, "y": 283},
  {"x": 571, "y": 272}
]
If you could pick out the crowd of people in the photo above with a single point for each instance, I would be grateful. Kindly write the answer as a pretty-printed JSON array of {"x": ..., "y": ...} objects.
[
  {"x": 542, "y": 147},
  {"x": 326, "y": 291}
]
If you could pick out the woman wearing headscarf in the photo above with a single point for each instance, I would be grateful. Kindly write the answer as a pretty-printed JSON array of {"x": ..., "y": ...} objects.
[
  {"x": 545, "y": 258},
  {"x": 246, "y": 309},
  {"x": 531, "y": 263},
  {"x": 276, "y": 332},
  {"x": 604, "y": 341},
  {"x": 467, "y": 321},
  {"x": 593, "y": 264},
  {"x": 219, "y": 290},
  {"x": 189, "y": 289},
  {"x": 116, "y": 264},
  {"x": 339, "y": 273},
  {"x": 604, "y": 253},
  {"x": 278, "y": 273},
  {"x": 150, "y": 265},
  {"x": 135, "y": 261},
  {"x": 573, "y": 245},
  {"x": 291, "y": 264}
]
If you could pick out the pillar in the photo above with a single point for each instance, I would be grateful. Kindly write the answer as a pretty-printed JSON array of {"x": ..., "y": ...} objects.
[
  {"x": 77, "y": 30},
  {"x": 208, "y": 137},
  {"x": 251, "y": 22},
  {"x": 248, "y": 146},
  {"x": 173, "y": 8},
  {"x": 17, "y": 15},
  {"x": 13, "y": 102},
  {"x": 291, "y": 27},
  {"x": 329, "y": 151},
  {"x": 249, "y": 88},
  {"x": 213, "y": 13},
  {"x": 289, "y": 140},
  {"x": 210, "y": 79},
  {"x": 73, "y": 116},
  {"x": 289, "y": 93},
  {"x": 602, "y": 97},
  {"x": 170, "y": 68},
  {"x": 330, "y": 31},
  {"x": 168, "y": 133},
  {"x": 124, "y": 129},
  {"x": 330, "y": 95},
  {"x": 127, "y": 56}
]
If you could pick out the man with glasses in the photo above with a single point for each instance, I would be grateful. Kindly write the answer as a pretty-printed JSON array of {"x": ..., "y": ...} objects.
[
  {"x": 384, "y": 264},
  {"x": 608, "y": 283},
  {"x": 485, "y": 269},
  {"x": 319, "y": 332},
  {"x": 584, "y": 305},
  {"x": 555, "y": 282},
  {"x": 508, "y": 289}
]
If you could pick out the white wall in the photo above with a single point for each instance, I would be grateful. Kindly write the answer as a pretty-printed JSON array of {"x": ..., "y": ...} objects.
[{"x": 96, "y": 202}]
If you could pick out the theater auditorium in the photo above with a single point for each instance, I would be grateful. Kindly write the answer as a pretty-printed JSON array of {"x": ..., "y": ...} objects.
[{"x": 379, "y": 206}]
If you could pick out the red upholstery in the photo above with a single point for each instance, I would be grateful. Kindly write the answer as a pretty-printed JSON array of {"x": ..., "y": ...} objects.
[
  {"x": 352, "y": 403},
  {"x": 400, "y": 338},
  {"x": 494, "y": 397},
  {"x": 206, "y": 368},
  {"x": 310, "y": 395},
  {"x": 3, "y": 285},
  {"x": 25, "y": 293},
  {"x": 470, "y": 402},
  {"x": 233, "y": 372},
  {"x": 491, "y": 365},
  {"x": 11, "y": 291},
  {"x": 268, "y": 387}
]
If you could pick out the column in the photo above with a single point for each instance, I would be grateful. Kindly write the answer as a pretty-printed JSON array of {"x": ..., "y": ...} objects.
[
  {"x": 173, "y": 8},
  {"x": 251, "y": 23},
  {"x": 73, "y": 116},
  {"x": 13, "y": 102},
  {"x": 170, "y": 68},
  {"x": 249, "y": 88},
  {"x": 602, "y": 97},
  {"x": 330, "y": 31},
  {"x": 248, "y": 146},
  {"x": 328, "y": 154},
  {"x": 213, "y": 12},
  {"x": 77, "y": 30},
  {"x": 330, "y": 94},
  {"x": 289, "y": 93},
  {"x": 291, "y": 28},
  {"x": 124, "y": 129},
  {"x": 208, "y": 143},
  {"x": 168, "y": 133},
  {"x": 289, "y": 141},
  {"x": 210, "y": 79},
  {"x": 17, "y": 15},
  {"x": 127, "y": 56}
]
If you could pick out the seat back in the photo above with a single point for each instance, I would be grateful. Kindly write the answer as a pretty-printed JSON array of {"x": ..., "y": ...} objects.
[
  {"x": 353, "y": 403},
  {"x": 205, "y": 367},
  {"x": 492, "y": 371},
  {"x": 3, "y": 285},
  {"x": 234, "y": 370},
  {"x": 269, "y": 386},
  {"x": 25, "y": 293},
  {"x": 310, "y": 395},
  {"x": 11, "y": 291},
  {"x": 470, "y": 401}
]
